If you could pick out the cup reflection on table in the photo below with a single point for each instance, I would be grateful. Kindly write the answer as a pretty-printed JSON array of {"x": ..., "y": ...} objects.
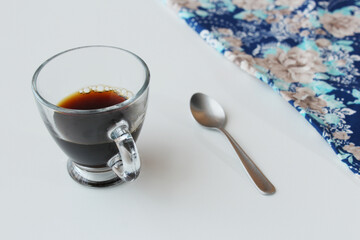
[{"x": 98, "y": 139}]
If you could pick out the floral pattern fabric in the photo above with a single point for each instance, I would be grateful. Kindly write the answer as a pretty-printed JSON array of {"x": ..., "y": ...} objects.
[{"x": 307, "y": 50}]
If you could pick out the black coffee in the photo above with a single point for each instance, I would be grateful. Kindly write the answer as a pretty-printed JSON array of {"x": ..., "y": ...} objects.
[
  {"x": 91, "y": 155},
  {"x": 83, "y": 136},
  {"x": 92, "y": 99}
]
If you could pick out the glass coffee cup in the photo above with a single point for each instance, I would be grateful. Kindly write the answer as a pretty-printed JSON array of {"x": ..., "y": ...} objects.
[{"x": 99, "y": 139}]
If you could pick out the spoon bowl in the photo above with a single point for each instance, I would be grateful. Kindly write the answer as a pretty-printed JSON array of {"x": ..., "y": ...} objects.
[{"x": 209, "y": 113}]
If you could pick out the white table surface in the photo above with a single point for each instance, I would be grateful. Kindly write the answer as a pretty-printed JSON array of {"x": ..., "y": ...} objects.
[{"x": 192, "y": 185}]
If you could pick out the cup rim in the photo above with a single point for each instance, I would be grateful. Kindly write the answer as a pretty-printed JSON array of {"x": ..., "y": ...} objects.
[{"x": 90, "y": 111}]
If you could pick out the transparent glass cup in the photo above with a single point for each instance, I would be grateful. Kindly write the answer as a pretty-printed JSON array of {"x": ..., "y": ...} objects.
[{"x": 100, "y": 143}]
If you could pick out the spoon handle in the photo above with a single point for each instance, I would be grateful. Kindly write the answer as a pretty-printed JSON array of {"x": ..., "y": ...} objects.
[{"x": 263, "y": 184}]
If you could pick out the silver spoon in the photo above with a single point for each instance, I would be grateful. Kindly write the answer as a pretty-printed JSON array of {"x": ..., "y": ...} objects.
[{"x": 209, "y": 113}]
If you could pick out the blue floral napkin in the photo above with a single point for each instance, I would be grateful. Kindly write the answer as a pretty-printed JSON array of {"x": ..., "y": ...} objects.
[{"x": 307, "y": 50}]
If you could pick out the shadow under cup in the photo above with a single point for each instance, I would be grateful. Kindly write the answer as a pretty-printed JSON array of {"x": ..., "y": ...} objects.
[{"x": 100, "y": 143}]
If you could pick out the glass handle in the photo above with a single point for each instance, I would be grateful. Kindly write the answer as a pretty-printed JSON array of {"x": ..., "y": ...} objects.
[{"x": 126, "y": 164}]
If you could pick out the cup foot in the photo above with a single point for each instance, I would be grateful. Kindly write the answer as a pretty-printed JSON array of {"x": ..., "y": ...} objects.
[{"x": 92, "y": 177}]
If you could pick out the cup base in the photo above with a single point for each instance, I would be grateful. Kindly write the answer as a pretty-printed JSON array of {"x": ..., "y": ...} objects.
[{"x": 92, "y": 177}]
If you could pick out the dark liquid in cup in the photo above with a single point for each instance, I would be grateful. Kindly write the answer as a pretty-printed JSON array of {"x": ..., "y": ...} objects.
[
  {"x": 84, "y": 136},
  {"x": 92, "y": 100}
]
